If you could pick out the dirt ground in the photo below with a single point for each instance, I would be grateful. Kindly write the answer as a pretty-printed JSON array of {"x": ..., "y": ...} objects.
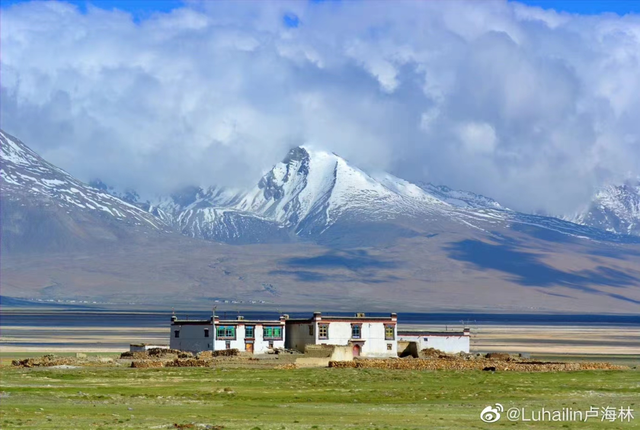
[{"x": 428, "y": 359}]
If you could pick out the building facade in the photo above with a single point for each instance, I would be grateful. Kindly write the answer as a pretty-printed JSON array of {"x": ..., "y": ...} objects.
[
  {"x": 367, "y": 336},
  {"x": 451, "y": 342},
  {"x": 255, "y": 336}
]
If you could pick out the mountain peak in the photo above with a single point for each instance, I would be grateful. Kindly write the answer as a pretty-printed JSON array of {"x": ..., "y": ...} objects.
[
  {"x": 614, "y": 208},
  {"x": 297, "y": 154},
  {"x": 311, "y": 189}
]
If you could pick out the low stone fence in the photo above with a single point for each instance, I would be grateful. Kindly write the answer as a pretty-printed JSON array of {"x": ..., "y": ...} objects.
[{"x": 478, "y": 364}]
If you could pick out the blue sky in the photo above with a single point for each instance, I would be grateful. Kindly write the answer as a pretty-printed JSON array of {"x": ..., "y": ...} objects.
[
  {"x": 138, "y": 8},
  {"x": 141, "y": 8},
  {"x": 588, "y": 7}
]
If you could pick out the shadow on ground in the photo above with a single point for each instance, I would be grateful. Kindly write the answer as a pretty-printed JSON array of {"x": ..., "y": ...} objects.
[
  {"x": 529, "y": 270},
  {"x": 361, "y": 262}
]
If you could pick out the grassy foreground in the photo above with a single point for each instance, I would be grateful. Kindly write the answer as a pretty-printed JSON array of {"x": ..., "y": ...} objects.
[{"x": 124, "y": 398}]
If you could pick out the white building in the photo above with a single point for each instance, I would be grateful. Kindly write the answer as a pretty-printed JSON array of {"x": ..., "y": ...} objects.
[
  {"x": 450, "y": 342},
  {"x": 367, "y": 336},
  {"x": 144, "y": 347},
  {"x": 214, "y": 334}
]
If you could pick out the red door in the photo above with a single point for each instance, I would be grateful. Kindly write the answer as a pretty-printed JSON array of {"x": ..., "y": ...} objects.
[{"x": 356, "y": 350}]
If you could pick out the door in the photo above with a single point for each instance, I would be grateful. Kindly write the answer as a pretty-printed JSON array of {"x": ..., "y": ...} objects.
[
  {"x": 356, "y": 350},
  {"x": 248, "y": 347}
]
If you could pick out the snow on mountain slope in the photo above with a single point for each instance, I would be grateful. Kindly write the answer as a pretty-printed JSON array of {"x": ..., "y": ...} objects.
[
  {"x": 310, "y": 193},
  {"x": 310, "y": 190},
  {"x": 25, "y": 175},
  {"x": 293, "y": 188},
  {"x": 210, "y": 214},
  {"x": 462, "y": 199},
  {"x": 615, "y": 208}
]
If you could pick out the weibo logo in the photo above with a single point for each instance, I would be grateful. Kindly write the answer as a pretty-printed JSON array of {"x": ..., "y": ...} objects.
[{"x": 491, "y": 414}]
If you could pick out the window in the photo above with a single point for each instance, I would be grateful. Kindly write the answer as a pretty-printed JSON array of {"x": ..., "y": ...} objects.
[
  {"x": 226, "y": 332},
  {"x": 323, "y": 331},
  {"x": 206, "y": 332},
  {"x": 389, "y": 332},
  {"x": 176, "y": 333},
  {"x": 249, "y": 332},
  {"x": 227, "y": 344},
  {"x": 356, "y": 331},
  {"x": 270, "y": 344},
  {"x": 389, "y": 347},
  {"x": 310, "y": 329},
  {"x": 272, "y": 332}
]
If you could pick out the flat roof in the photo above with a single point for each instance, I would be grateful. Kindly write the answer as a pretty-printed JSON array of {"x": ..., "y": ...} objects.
[
  {"x": 225, "y": 322},
  {"x": 192, "y": 322},
  {"x": 228, "y": 322},
  {"x": 431, "y": 333},
  {"x": 330, "y": 318}
]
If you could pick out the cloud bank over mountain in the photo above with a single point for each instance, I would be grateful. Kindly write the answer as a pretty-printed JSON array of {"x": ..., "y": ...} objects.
[{"x": 533, "y": 108}]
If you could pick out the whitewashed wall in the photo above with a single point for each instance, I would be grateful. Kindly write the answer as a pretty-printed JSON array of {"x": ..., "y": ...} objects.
[
  {"x": 448, "y": 344},
  {"x": 260, "y": 345},
  {"x": 372, "y": 334},
  {"x": 145, "y": 347},
  {"x": 372, "y": 339}
]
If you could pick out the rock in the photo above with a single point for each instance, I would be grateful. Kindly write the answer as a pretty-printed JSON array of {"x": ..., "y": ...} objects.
[{"x": 498, "y": 356}]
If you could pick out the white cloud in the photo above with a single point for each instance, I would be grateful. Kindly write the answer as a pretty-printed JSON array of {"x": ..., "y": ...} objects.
[
  {"x": 478, "y": 137},
  {"x": 531, "y": 107}
]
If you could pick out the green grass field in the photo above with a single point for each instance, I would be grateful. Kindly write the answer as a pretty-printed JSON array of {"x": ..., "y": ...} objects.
[{"x": 124, "y": 398}]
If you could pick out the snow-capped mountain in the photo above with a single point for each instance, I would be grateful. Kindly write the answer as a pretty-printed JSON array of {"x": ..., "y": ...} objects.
[
  {"x": 304, "y": 195},
  {"x": 319, "y": 196},
  {"x": 62, "y": 238},
  {"x": 311, "y": 195},
  {"x": 615, "y": 208},
  {"x": 309, "y": 191},
  {"x": 41, "y": 200}
]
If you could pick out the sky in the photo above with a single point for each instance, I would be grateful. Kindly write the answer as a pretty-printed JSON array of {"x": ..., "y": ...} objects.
[{"x": 532, "y": 103}]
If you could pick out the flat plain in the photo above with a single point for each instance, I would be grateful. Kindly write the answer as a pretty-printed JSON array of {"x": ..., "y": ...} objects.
[{"x": 320, "y": 398}]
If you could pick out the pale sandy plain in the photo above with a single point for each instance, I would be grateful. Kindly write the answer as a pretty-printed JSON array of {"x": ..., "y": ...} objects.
[{"x": 536, "y": 340}]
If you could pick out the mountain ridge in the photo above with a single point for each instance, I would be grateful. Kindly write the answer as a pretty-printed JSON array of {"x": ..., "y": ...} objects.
[
  {"x": 330, "y": 235},
  {"x": 40, "y": 200},
  {"x": 309, "y": 195},
  {"x": 311, "y": 192}
]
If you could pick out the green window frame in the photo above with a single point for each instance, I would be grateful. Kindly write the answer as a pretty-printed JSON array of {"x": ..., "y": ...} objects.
[
  {"x": 226, "y": 332},
  {"x": 250, "y": 332},
  {"x": 272, "y": 332}
]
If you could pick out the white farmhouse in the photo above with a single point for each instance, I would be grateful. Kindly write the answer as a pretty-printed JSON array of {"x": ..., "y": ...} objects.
[
  {"x": 255, "y": 336},
  {"x": 450, "y": 342},
  {"x": 367, "y": 336}
]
